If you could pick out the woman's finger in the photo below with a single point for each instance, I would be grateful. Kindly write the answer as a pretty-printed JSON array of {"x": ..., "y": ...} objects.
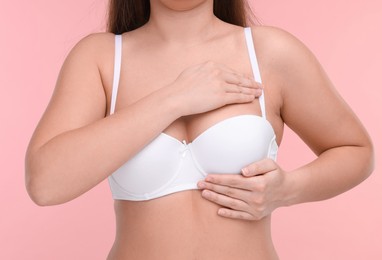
[
  {"x": 237, "y": 78},
  {"x": 233, "y": 98},
  {"x": 224, "y": 200},
  {"x": 236, "y": 214},
  {"x": 237, "y": 181},
  {"x": 240, "y": 80},
  {"x": 232, "y": 88},
  {"x": 259, "y": 167},
  {"x": 232, "y": 192}
]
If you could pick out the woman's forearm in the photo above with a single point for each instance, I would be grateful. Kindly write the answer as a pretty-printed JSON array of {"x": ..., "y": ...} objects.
[
  {"x": 332, "y": 173},
  {"x": 77, "y": 160}
]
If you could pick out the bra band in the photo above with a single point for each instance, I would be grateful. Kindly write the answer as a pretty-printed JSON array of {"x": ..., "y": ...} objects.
[
  {"x": 117, "y": 71},
  {"x": 255, "y": 66},
  {"x": 252, "y": 57}
]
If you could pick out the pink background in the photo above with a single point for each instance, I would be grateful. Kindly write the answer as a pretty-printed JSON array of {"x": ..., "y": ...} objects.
[{"x": 346, "y": 37}]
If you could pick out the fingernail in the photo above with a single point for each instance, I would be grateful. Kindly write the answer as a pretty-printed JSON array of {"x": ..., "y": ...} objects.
[
  {"x": 205, "y": 193},
  {"x": 245, "y": 171},
  {"x": 201, "y": 185}
]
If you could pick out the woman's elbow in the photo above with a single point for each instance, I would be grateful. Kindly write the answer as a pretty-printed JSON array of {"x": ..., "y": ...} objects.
[
  {"x": 34, "y": 185},
  {"x": 371, "y": 159},
  {"x": 37, "y": 197},
  {"x": 36, "y": 191},
  {"x": 368, "y": 154}
]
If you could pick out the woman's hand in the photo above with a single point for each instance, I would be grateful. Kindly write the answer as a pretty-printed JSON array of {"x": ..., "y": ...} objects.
[
  {"x": 210, "y": 85},
  {"x": 250, "y": 196}
]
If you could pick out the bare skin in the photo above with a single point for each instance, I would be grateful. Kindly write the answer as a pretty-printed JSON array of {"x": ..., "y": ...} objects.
[{"x": 76, "y": 131}]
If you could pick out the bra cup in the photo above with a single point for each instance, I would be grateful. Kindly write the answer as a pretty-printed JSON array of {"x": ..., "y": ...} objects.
[
  {"x": 230, "y": 146},
  {"x": 152, "y": 168}
]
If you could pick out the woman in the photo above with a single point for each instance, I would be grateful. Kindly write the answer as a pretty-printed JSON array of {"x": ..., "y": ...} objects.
[{"x": 174, "y": 114}]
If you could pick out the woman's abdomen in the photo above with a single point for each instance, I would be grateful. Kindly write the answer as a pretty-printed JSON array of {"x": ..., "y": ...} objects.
[{"x": 184, "y": 225}]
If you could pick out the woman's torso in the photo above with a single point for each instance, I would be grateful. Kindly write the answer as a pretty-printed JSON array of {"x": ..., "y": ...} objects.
[{"x": 183, "y": 225}]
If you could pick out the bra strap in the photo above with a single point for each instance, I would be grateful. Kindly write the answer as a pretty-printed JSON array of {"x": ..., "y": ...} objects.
[
  {"x": 117, "y": 71},
  {"x": 255, "y": 66}
]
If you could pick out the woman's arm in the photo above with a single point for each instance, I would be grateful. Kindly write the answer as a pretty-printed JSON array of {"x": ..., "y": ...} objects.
[
  {"x": 313, "y": 109},
  {"x": 74, "y": 146}
]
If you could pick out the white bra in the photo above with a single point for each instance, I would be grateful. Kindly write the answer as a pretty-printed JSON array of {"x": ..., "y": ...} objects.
[{"x": 167, "y": 165}]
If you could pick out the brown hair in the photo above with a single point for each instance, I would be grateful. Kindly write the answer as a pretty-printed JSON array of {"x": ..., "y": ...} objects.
[{"x": 127, "y": 15}]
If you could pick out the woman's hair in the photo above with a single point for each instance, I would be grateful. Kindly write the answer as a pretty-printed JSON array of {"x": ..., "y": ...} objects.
[{"x": 127, "y": 15}]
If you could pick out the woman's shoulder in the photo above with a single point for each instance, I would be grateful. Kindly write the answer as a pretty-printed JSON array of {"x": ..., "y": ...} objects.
[
  {"x": 96, "y": 38},
  {"x": 275, "y": 37},
  {"x": 282, "y": 51},
  {"x": 100, "y": 48},
  {"x": 96, "y": 43},
  {"x": 271, "y": 32}
]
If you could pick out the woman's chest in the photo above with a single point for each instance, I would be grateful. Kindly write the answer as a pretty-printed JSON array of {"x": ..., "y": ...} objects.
[{"x": 145, "y": 70}]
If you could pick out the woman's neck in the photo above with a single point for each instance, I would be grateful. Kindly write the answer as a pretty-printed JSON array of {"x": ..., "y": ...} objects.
[{"x": 182, "y": 23}]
